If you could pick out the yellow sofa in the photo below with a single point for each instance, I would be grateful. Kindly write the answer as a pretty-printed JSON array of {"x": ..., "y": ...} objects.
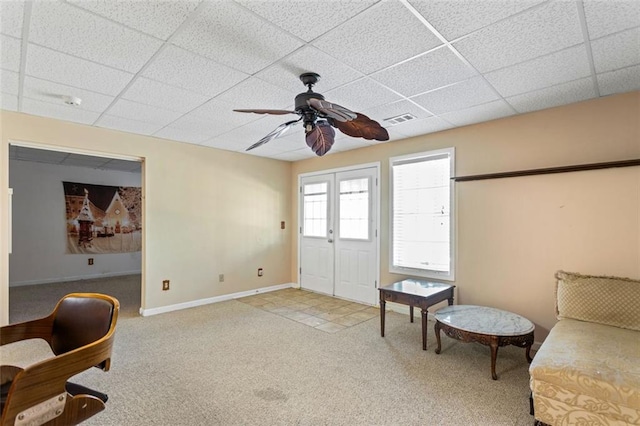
[{"x": 587, "y": 371}]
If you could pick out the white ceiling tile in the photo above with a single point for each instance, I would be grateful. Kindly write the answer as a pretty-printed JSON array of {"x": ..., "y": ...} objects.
[
  {"x": 360, "y": 95},
  {"x": 606, "y": 17},
  {"x": 47, "y": 91},
  {"x": 141, "y": 112},
  {"x": 157, "y": 18},
  {"x": 420, "y": 127},
  {"x": 457, "y": 18},
  {"x": 75, "y": 72},
  {"x": 537, "y": 32},
  {"x": 559, "y": 67},
  {"x": 222, "y": 115},
  {"x": 619, "y": 81},
  {"x": 41, "y": 155},
  {"x": 301, "y": 18},
  {"x": 427, "y": 72},
  {"x": 394, "y": 109},
  {"x": 10, "y": 50},
  {"x": 286, "y": 72},
  {"x": 11, "y": 17},
  {"x": 479, "y": 113},
  {"x": 182, "y": 135},
  {"x": 461, "y": 95},
  {"x": 241, "y": 40},
  {"x": 296, "y": 155},
  {"x": 127, "y": 125},
  {"x": 8, "y": 102},
  {"x": 85, "y": 160},
  {"x": 180, "y": 68},
  {"x": 123, "y": 165},
  {"x": 90, "y": 37},
  {"x": 245, "y": 136},
  {"x": 616, "y": 51},
  {"x": 161, "y": 95},
  {"x": 377, "y": 38},
  {"x": 9, "y": 82},
  {"x": 347, "y": 144},
  {"x": 202, "y": 126},
  {"x": 255, "y": 93},
  {"x": 574, "y": 91},
  {"x": 61, "y": 111}
]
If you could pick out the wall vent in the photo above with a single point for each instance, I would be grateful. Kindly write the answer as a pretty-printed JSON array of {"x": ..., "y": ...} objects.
[{"x": 400, "y": 119}]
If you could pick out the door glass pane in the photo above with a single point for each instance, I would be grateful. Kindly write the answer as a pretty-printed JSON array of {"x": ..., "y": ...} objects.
[
  {"x": 354, "y": 209},
  {"x": 315, "y": 210}
]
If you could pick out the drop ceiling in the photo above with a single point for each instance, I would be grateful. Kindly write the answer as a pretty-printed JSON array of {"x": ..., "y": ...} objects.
[{"x": 177, "y": 69}]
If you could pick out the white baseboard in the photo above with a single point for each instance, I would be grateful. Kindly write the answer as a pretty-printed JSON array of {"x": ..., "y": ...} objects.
[
  {"x": 209, "y": 300},
  {"x": 74, "y": 278}
]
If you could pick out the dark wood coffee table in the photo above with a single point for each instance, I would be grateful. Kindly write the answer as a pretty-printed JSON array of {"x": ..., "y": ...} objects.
[
  {"x": 489, "y": 326},
  {"x": 415, "y": 293}
]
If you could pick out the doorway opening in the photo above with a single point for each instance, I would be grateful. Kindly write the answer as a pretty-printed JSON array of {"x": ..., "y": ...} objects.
[{"x": 45, "y": 220}]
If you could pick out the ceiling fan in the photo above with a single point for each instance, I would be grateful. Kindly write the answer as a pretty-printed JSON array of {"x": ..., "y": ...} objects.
[{"x": 319, "y": 117}]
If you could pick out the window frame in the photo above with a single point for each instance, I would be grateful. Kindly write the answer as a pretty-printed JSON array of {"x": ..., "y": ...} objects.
[{"x": 420, "y": 272}]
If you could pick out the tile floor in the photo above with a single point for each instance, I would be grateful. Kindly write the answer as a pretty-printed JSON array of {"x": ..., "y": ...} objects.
[{"x": 325, "y": 313}]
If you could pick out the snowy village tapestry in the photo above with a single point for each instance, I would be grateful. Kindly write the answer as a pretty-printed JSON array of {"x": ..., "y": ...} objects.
[{"x": 103, "y": 219}]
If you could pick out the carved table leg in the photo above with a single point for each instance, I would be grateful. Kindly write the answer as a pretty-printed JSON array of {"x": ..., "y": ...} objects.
[
  {"x": 411, "y": 312},
  {"x": 424, "y": 329},
  {"x": 436, "y": 328},
  {"x": 494, "y": 354},
  {"x": 528, "y": 354},
  {"x": 382, "y": 306}
]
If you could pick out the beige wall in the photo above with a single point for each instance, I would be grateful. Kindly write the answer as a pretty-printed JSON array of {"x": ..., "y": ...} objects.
[
  {"x": 207, "y": 211},
  {"x": 514, "y": 234}
]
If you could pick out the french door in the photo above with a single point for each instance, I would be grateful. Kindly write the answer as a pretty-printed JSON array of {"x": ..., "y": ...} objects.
[{"x": 339, "y": 234}]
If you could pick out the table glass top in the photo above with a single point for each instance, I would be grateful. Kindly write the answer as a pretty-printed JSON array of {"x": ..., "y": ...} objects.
[
  {"x": 418, "y": 287},
  {"x": 484, "y": 320}
]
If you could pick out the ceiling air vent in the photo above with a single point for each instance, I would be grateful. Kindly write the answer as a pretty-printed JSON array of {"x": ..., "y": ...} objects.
[{"x": 400, "y": 119}]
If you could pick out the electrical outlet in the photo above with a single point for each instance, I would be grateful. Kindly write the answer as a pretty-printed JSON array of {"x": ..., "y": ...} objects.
[
  {"x": 221, "y": 278},
  {"x": 259, "y": 272},
  {"x": 90, "y": 261},
  {"x": 165, "y": 285}
]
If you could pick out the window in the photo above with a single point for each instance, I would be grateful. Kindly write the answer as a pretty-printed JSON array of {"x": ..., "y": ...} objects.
[
  {"x": 354, "y": 209},
  {"x": 421, "y": 214},
  {"x": 315, "y": 210}
]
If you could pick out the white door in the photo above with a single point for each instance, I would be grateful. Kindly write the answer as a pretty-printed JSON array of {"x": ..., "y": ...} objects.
[
  {"x": 316, "y": 240},
  {"x": 339, "y": 237}
]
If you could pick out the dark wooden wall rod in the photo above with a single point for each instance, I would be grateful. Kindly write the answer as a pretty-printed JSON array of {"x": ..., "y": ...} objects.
[{"x": 550, "y": 170}]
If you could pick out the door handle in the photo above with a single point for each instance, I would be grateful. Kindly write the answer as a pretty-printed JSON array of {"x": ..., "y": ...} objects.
[{"x": 330, "y": 240}]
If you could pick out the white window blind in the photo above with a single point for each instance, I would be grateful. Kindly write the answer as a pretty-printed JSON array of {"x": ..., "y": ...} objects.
[{"x": 421, "y": 205}]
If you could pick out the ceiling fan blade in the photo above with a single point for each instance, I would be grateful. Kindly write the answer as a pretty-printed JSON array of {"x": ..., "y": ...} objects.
[
  {"x": 331, "y": 110},
  {"x": 320, "y": 139},
  {"x": 266, "y": 111},
  {"x": 362, "y": 127},
  {"x": 276, "y": 133}
]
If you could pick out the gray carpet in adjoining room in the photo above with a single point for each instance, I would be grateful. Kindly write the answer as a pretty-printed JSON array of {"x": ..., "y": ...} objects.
[
  {"x": 35, "y": 301},
  {"x": 232, "y": 364}
]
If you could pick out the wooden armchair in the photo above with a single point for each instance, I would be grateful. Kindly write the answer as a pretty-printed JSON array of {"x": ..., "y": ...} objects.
[{"x": 80, "y": 332}]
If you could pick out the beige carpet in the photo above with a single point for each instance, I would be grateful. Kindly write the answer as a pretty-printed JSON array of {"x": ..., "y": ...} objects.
[{"x": 234, "y": 364}]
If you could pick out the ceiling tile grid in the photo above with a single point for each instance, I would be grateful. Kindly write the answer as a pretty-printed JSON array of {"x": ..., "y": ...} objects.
[
  {"x": 156, "y": 18},
  {"x": 382, "y": 36},
  {"x": 176, "y": 69},
  {"x": 11, "y": 17},
  {"x": 539, "y": 31},
  {"x": 231, "y": 35},
  {"x": 71, "y": 30},
  {"x": 573, "y": 91}
]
